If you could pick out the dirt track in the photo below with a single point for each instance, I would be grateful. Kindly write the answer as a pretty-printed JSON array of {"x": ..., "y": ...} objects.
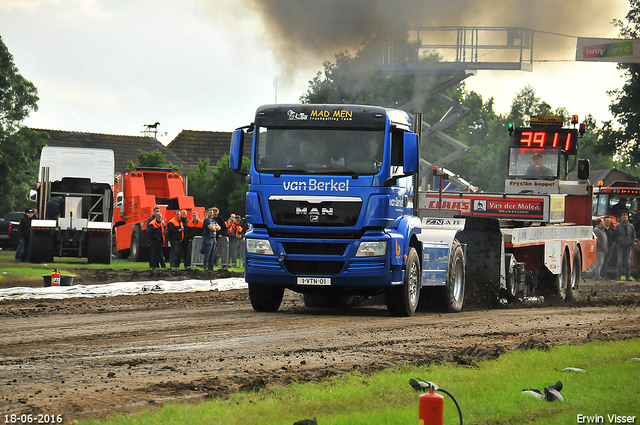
[{"x": 93, "y": 357}]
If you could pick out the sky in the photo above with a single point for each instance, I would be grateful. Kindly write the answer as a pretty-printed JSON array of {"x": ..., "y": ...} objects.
[{"x": 114, "y": 66}]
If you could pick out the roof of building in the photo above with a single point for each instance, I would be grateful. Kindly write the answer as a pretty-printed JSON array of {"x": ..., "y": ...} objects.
[
  {"x": 125, "y": 148},
  {"x": 194, "y": 146},
  {"x": 607, "y": 176}
]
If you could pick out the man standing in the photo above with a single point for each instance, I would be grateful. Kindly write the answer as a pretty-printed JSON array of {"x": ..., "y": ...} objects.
[
  {"x": 625, "y": 239},
  {"x": 156, "y": 211},
  {"x": 193, "y": 229},
  {"x": 611, "y": 242},
  {"x": 175, "y": 232},
  {"x": 209, "y": 233},
  {"x": 155, "y": 231},
  {"x": 222, "y": 241},
  {"x": 186, "y": 242},
  {"x": 24, "y": 232},
  {"x": 602, "y": 247}
]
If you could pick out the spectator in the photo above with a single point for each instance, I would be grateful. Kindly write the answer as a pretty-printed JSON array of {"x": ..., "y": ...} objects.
[
  {"x": 222, "y": 240},
  {"x": 625, "y": 239},
  {"x": 186, "y": 242},
  {"x": 175, "y": 232},
  {"x": 194, "y": 228},
  {"x": 54, "y": 205},
  {"x": 611, "y": 243},
  {"x": 240, "y": 231},
  {"x": 209, "y": 240},
  {"x": 24, "y": 233},
  {"x": 155, "y": 232},
  {"x": 602, "y": 247},
  {"x": 234, "y": 239},
  {"x": 156, "y": 211}
]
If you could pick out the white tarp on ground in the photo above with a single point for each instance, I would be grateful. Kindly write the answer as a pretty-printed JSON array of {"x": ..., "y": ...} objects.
[{"x": 122, "y": 288}]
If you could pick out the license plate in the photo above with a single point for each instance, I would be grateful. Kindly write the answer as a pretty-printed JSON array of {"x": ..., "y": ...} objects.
[{"x": 314, "y": 281}]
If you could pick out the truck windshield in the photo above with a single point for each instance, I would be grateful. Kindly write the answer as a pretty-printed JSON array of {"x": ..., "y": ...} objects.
[
  {"x": 319, "y": 151},
  {"x": 534, "y": 163}
]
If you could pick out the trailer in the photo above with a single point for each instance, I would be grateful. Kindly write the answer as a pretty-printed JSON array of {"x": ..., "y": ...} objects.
[
  {"x": 337, "y": 212},
  {"x": 139, "y": 192},
  {"x": 80, "y": 180}
]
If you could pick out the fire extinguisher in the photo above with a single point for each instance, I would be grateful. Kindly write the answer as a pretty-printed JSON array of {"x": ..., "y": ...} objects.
[
  {"x": 431, "y": 404},
  {"x": 55, "y": 278}
]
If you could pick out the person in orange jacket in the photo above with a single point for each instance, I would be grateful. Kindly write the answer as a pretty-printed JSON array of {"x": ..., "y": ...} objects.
[
  {"x": 193, "y": 229},
  {"x": 175, "y": 230},
  {"x": 156, "y": 240}
]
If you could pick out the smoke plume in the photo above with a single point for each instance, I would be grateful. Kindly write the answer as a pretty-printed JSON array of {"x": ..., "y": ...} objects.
[{"x": 304, "y": 31}]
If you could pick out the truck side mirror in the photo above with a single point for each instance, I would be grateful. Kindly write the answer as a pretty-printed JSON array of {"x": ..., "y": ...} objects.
[
  {"x": 235, "y": 153},
  {"x": 33, "y": 195},
  {"x": 410, "y": 153},
  {"x": 583, "y": 169}
]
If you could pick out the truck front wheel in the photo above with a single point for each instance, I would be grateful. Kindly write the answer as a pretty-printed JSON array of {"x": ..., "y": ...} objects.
[
  {"x": 265, "y": 298},
  {"x": 139, "y": 249},
  {"x": 403, "y": 300}
]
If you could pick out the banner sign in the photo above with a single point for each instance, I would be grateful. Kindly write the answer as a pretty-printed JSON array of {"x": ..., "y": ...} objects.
[{"x": 608, "y": 50}]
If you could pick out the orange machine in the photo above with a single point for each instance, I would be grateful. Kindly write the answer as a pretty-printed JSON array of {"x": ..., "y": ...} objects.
[{"x": 140, "y": 190}]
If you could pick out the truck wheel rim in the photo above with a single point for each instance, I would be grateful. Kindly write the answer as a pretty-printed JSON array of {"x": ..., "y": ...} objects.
[
  {"x": 457, "y": 281},
  {"x": 413, "y": 284}
]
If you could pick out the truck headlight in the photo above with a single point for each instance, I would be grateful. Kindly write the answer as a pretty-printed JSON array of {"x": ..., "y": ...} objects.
[
  {"x": 372, "y": 249},
  {"x": 259, "y": 246}
]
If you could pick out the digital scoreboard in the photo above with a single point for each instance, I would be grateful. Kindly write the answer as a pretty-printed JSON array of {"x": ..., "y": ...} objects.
[{"x": 562, "y": 139}]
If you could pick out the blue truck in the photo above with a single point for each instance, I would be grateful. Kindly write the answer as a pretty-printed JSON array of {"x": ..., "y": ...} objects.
[{"x": 337, "y": 213}]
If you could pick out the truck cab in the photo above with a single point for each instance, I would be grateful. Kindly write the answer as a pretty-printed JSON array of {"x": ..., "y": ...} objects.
[{"x": 329, "y": 199}]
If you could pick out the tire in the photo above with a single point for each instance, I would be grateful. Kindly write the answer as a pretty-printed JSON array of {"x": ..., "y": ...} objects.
[
  {"x": 561, "y": 281},
  {"x": 402, "y": 301},
  {"x": 114, "y": 251},
  {"x": 99, "y": 248},
  {"x": 512, "y": 289},
  {"x": 576, "y": 274},
  {"x": 139, "y": 249},
  {"x": 265, "y": 298},
  {"x": 41, "y": 246},
  {"x": 453, "y": 293}
]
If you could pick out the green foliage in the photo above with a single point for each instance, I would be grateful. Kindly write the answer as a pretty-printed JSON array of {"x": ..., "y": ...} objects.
[
  {"x": 622, "y": 139},
  {"x": 18, "y": 145},
  {"x": 355, "y": 79},
  {"x": 153, "y": 159},
  {"x": 219, "y": 187},
  {"x": 230, "y": 188},
  {"x": 489, "y": 394},
  {"x": 201, "y": 185}
]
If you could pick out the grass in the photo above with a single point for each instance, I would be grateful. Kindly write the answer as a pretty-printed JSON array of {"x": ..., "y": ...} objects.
[
  {"x": 491, "y": 394},
  {"x": 14, "y": 271}
]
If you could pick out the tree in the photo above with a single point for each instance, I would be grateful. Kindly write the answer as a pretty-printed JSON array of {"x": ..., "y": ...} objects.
[
  {"x": 153, "y": 159},
  {"x": 19, "y": 146},
  {"x": 229, "y": 188},
  {"x": 623, "y": 141}
]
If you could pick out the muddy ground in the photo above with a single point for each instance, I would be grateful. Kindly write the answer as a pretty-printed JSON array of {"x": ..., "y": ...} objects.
[{"x": 94, "y": 357}]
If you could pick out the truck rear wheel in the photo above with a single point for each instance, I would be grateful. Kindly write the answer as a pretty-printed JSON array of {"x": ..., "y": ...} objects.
[
  {"x": 265, "y": 298},
  {"x": 453, "y": 293},
  {"x": 139, "y": 249},
  {"x": 562, "y": 281},
  {"x": 99, "y": 248},
  {"x": 576, "y": 274},
  {"x": 41, "y": 246},
  {"x": 403, "y": 300}
]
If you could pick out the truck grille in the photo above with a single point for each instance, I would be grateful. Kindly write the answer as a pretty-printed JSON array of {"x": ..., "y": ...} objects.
[
  {"x": 300, "y": 212},
  {"x": 305, "y": 248},
  {"x": 313, "y": 268}
]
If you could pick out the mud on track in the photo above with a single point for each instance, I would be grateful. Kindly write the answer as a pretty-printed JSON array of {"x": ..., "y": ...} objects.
[{"x": 94, "y": 357}]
